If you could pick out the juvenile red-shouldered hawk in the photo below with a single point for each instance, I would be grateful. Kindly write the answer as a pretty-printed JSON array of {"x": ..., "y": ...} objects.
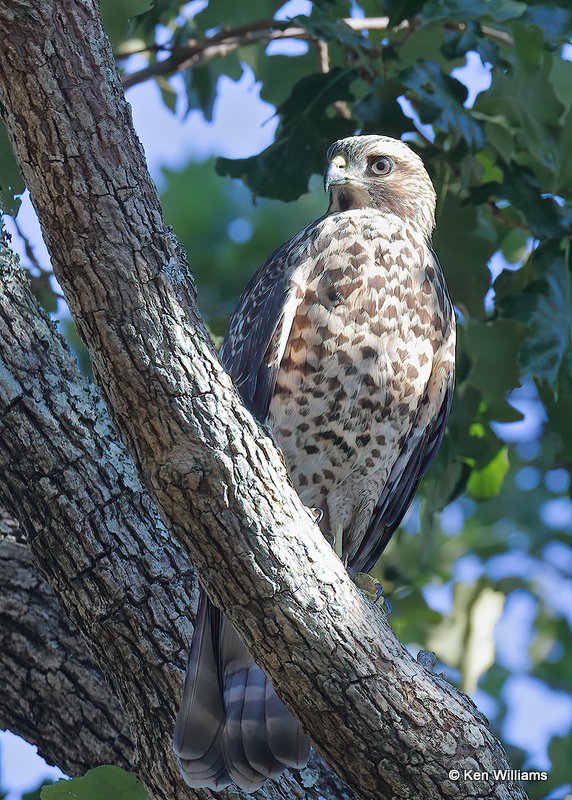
[{"x": 344, "y": 343}]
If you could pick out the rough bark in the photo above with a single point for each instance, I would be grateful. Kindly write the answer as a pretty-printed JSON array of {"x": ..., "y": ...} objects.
[
  {"x": 96, "y": 536},
  {"x": 51, "y": 686},
  {"x": 9, "y": 526},
  {"x": 92, "y": 528},
  {"x": 387, "y": 725}
]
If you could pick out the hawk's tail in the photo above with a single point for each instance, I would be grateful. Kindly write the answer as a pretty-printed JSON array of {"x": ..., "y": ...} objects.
[{"x": 231, "y": 726}]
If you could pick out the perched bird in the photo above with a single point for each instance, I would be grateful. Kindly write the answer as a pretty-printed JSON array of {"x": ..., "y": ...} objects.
[{"x": 343, "y": 343}]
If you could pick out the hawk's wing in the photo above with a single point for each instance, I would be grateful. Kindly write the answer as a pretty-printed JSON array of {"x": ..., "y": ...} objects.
[
  {"x": 406, "y": 474},
  {"x": 258, "y": 331}
]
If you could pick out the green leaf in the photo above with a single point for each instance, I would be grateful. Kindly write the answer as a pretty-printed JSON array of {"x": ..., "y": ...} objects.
[
  {"x": 334, "y": 30},
  {"x": 438, "y": 99},
  {"x": 230, "y": 13},
  {"x": 426, "y": 45},
  {"x": 402, "y": 9},
  {"x": 164, "y": 11},
  {"x": 561, "y": 182},
  {"x": 337, "y": 8},
  {"x": 528, "y": 46},
  {"x": 515, "y": 245},
  {"x": 34, "y": 794},
  {"x": 278, "y": 73},
  {"x": 493, "y": 348},
  {"x": 561, "y": 79},
  {"x": 200, "y": 89},
  {"x": 445, "y": 479},
  {"x": 500, "y": 137},
  {"x": 118, "y": 13},
  {"x": 69, "y": 330},
  {"x": 540, "y": 296},
  {"x": 490, "y": 169},
  {"x": 525, "y": 97},
  {"x": 380, "y": 111},
  {"x": 545, "y": 217},
  {"x": 487, "y": 482},
  {"x": 469, "y": 10},
  {"x": 457, "y": 43},
  {"x": 555, "y": 23},
  {"x": 559, "y": 750},
  {"x": 101, "y": 783},
  {"x": 168, "y": 94},
  {"x": 558, "y": 407},
  {"x": 11, "y": 181},
  {"x": 464, "y": 240},
  {"x": 42, "y": 289},
  {"x": 306, "y": 131},
  {"x": 201, "y": 82},
  {"x": 473, "y": 442}
]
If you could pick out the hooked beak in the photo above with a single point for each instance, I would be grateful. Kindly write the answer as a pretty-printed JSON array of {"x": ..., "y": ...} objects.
[{"x": 335, "y": 176}]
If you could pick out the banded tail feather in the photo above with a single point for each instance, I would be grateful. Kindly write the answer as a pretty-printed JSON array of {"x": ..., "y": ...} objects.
[{"x": 231, "y": 726}]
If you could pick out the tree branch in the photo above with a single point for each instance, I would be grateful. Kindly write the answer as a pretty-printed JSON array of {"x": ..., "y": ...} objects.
[
  {"x": 391, "y": 728},
  {"x": 227, "y": 40},
  {"x": 263, "y": 32},
  {"x": 28, "y": 248},
  {"x": 51, "y": 686},
  {"x": 97, "y": 537}
]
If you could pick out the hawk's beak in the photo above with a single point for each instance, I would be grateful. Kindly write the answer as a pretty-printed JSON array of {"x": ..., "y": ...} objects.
[
  {"x": 334, "y": 177},
  {"x": 336, "y": 174}
]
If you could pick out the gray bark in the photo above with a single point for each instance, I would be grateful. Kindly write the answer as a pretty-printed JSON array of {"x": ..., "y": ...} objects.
[
  {"x": 389, "y": 727},
  {"x": 51, "y": 686},
  {"x": 96, "y": 536}
]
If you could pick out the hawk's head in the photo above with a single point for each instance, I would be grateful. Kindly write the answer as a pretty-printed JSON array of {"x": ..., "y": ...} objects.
[{"x": 383, "y": 173}]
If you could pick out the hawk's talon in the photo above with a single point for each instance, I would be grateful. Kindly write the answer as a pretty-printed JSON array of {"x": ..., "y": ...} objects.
[
  {"x": 369, "y": 586},
  {"x": 317, "y": 514},
  {"x": 379, "y": 595}
]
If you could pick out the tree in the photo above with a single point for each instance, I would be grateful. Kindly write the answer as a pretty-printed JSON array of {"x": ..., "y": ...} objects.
[{"x": 127, "y": 284}]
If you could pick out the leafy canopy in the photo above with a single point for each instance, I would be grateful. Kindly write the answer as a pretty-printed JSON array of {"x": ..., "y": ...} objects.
[
  {"x": 109, "y": 782},
  {"x": 502, "y": 165}
]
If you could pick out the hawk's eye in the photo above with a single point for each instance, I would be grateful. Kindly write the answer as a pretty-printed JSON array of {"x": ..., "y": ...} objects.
[{"x": 381, "y": 166}]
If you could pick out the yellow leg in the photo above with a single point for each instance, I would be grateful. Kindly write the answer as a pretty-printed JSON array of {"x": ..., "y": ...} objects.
[
  {"x": 317, "y": 514},
  {"x": 369, "y": 586},
  {"x": 339, "y": 541}
]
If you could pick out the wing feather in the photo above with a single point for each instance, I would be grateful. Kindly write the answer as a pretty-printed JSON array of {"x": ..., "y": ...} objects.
[{"x": 254, "y": 345}]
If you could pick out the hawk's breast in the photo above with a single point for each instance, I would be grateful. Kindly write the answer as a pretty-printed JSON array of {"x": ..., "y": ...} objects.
[{"x": 357, "y": 360}]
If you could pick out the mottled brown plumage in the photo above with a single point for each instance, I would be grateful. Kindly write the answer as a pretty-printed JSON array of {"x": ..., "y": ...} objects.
[{"x": 343, "y": 342}]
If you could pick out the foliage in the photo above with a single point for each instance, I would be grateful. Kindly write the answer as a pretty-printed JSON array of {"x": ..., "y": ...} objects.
[
  {"x": 109, "y": 782},
  {"x": 306, "y": 133},
  {"x": 502, "y": 167},
  {"x": 11, "y": 182},
  {"x": 36, "y": 794}
]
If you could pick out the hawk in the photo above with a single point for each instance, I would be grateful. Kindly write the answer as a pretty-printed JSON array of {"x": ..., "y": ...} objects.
[{"x": 343, "y": 342}]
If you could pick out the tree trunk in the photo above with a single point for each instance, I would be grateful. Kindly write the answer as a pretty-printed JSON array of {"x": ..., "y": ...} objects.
[
  {"x": 390, "y": 728},
  {"x": 96, "y": 536},
  {"x": 51, "y": 686}
]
